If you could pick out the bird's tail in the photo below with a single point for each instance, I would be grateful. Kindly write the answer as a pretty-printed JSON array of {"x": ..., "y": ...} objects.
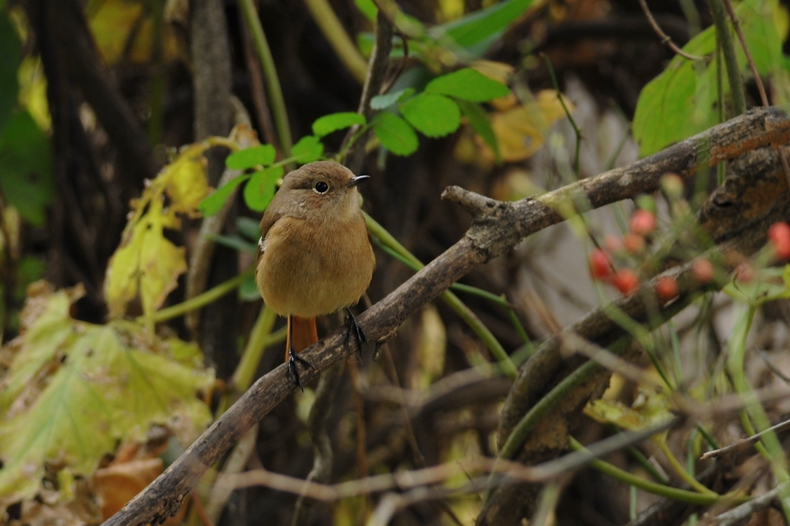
[{"x": 304, "y": 333}]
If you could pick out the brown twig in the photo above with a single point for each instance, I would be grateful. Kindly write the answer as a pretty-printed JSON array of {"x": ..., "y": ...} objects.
[
  {"x": 85, "y": 68},
  {"x": 745, "y": 513},
  {"x": 756, "y": 74},
  {"x": 438, "y": 474},
  {"x": 737, "y": 216},
  {"x": 322, "y": 446},
  {"x": 494, "y": 232},
  {"x": 745, "y": 442},
  {"x": 573, "y": 343},
  {"x": 737, "y": 25},
  {"x": 665, "y": 39},
  {"x": 377, "y": 70}
]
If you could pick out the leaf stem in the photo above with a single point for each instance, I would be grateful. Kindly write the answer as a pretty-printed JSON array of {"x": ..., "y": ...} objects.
[
  {"x": 333, "y": 30},
  {"x": 201, "y": 300},
  {"x": 464, "y": 312},
  {"x": 691, "y": 497},
  {"x": 737, "y": 25},
  {"x": 279, "y": 111},
  {"x": 576, "y": 130},
  {"x": 728, "y": 48},
  {"x": 256, "y": 344}
]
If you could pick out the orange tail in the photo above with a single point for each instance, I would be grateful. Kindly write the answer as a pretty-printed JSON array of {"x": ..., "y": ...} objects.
[{"x": 304, "y": 333}]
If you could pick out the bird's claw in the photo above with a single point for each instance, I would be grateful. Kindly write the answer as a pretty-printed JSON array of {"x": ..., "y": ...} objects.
[
  {"x": 293, "y": 367},
  {"x": 359, "y": 334}
]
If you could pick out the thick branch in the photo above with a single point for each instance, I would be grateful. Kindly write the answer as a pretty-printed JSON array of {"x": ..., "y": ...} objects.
[
  {"x": 497, "y": 228},
  {"x": 93, "y": 79},
  {"x": 545, "y": 402}
]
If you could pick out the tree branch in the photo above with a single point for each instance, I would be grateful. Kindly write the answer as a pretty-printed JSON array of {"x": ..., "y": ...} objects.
[{"x": 497, "y": 228}]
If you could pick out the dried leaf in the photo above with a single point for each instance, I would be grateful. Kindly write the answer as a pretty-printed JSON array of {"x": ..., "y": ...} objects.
[{"x": 74, "y": 390}]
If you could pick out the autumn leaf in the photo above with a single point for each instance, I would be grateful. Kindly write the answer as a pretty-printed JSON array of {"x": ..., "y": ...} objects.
[
  {"x": 74, "y": 390},
  {"x": 187, "y": 184},
  {"x": 147, "y": 264},
  {"x": 520, "y": 129}
]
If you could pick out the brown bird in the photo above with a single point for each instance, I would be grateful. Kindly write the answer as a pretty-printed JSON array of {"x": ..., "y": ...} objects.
[{"x": 314, "y": 256}]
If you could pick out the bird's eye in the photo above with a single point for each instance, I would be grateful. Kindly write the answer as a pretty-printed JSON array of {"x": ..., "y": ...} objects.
[{"x": 321, "y": 187}]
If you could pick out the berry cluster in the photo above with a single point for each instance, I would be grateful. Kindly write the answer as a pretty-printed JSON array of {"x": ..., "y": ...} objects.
[{"x": 626, "y": 280}]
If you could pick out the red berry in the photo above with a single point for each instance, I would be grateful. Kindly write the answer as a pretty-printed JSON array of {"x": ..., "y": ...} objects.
[
  {"x": 779, "y": 234},
  {"x": 744, "y": 273},
  {"x": 633, "y": 243},
  {"x": 642, "y": 222},
  {"x": 702, "y": 269},
  {"x": 666, "y": 288},
  {"x": 600, "y": 265},
  {"x": 612, "y": 243},
  {"x": 626, "y": 281}
]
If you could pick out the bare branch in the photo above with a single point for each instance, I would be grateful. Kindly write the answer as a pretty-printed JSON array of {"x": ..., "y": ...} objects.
[
  {"x": 745, "y": 442},
  {"x": 665, "y": 39},
  {"x": 492, "y": 234}
]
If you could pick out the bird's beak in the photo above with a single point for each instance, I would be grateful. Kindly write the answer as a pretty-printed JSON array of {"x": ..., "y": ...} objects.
[{"x": 358, "y": 179}]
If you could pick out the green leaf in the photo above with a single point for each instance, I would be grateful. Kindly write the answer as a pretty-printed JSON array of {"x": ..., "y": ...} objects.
[
  {"x": 248, "y": 290},
  {"x": 260, "y": 189},
  {"x": 249, "y": 228},
  {"x": 26, "y": 167},
  {"x": 682, "y": 101},
  {"x": 467, "y": 84},
  {"x": 336, "y": 121},
  {"x": 85, "y": 389},
  {"x": 484, "y": 26},
  {"x": 478, "y": 119},
  {"x": 214, "y": 203},
  {"x": 395, "y": 134},
  {"x": 433, "y": 115},
  {"x": 249, "y": 157},
  {"x": 307, "y": 150},
  {"x": 367, "y": 8},
  {"x": 11, "y": 51},
  {"x": 234, "y": 242},
  {"x": 768, "y": 284},
  {"x": 381, "y": 102}
]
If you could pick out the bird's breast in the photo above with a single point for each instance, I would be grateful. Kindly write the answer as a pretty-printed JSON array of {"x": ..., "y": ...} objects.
[{"x": 311, "y": 268}]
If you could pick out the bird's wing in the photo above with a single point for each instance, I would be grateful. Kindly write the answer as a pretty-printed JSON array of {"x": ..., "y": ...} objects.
[{"x": 269, "y": 218}]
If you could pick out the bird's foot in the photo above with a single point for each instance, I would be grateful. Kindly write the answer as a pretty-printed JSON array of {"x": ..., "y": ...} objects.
[
  {"x": 356, "y": 329},
  {"x": 293, "y": 367}
]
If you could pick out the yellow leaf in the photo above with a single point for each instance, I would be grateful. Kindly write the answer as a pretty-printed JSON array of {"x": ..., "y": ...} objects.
[
  {"x": 500, "y": 72},
  {"x": 187, "y": 183},
  {"x": 431, "y": 344},
  {"x": 33, "y": 91},
  {"x": 76, "y": 390},
  {"x": 146, "y": 264},
  {"x": 116, "y": 21},
  {"x": 520, "y": 130},
  {"x": 650, "y": 408}
]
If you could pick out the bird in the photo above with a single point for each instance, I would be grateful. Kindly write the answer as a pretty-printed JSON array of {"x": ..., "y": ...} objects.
[{"x": 314, "y": 255}]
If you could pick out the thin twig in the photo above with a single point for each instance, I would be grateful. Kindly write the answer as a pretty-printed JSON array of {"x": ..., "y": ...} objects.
[
  {"x": 744, "y": 513},
  {"x": 731, "y": 63},
  {"x": 438, "y": 474},
  {"x": 494, "y": 233},
  {"x": 279, "y": 111},
  {"x": 574, "y": 343},
  {"x": 744, "y": 442},
  {"x": 665, "y": 39},
  {"x": 737, "y": 25},
  {"x": 756, "y": 74},
  {"x": 576, "y": 130},
  {"x": 326, "y": 20}
]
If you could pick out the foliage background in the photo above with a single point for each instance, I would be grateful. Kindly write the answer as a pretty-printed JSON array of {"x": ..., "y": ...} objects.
[{"x": 96, "y": 98}]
